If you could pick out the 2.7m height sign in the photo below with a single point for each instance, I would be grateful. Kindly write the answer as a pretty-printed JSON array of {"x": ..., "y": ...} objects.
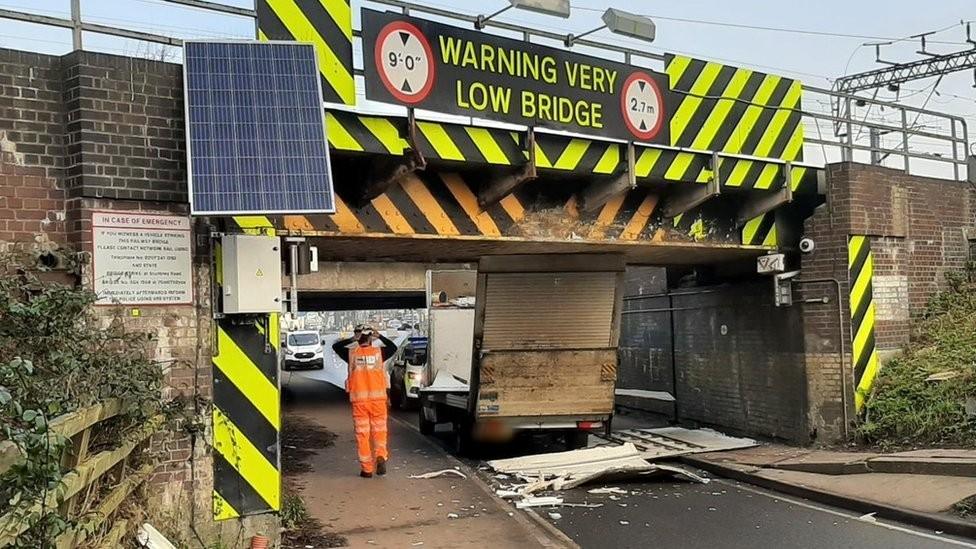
[{"x": 444, "y": 68}]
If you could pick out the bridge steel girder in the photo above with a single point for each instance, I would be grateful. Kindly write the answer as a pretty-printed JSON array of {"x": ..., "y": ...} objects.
[
  {"x": 683, "y": 200},
  {"x": 597, "y": 194},
  {"x": 758, "y": 205},
  {"x": 473, "y": 146}
]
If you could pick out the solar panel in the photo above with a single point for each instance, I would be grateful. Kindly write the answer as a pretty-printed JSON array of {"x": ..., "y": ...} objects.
[{"x": 255, "y": 129}]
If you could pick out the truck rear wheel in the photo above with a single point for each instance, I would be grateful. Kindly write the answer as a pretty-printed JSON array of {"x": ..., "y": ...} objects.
[
  {"x": 426, "y": 426},
  {"x": 577, "y": 440},
  {"x": 464, "y": 443},
  {"x": 396, "y": 397}
]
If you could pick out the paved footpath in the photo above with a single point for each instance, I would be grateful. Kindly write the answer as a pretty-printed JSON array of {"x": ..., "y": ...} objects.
[{"x": 395, "y": 511}]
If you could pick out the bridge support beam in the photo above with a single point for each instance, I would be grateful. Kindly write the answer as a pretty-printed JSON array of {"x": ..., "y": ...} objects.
[
  {"x": 385, "y": 173},
  {"x": 599, "y": 193},
  {"x": 498, "y": 188},
  {"x": 503, "y": 185},
  {"x": 758, "y": 205},
  {"x": 683, "y": 200}
]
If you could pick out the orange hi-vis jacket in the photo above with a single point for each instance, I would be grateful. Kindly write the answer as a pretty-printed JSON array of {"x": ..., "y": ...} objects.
[{"x": 367, "y": 375}]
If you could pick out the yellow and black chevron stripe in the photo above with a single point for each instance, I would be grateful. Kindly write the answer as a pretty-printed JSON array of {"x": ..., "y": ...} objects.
[
  {"x": 734, "y": 110},
  {"x": 864, "y": 355},
  {"x": 459, "y": 143},
  {"x": 441, "y": 204},
  {"x": 669, "y": 165},
  {"x": 553, "y": 152},
  {"x": 246, "y": 417},
  {"x": 761, "y": 231},
  {"x": 325, "y": 23},
  {"x": 372, "y": 134},
  {"x": 470, "y": 144},
  {"x": 756, "y": 174},
  {"x": 628, "y": 216},
  {"x": 445, "y": 204}
]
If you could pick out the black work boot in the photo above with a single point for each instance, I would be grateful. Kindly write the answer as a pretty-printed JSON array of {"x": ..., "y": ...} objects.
[
  {"x": 380, "y": 466},
  {"x": 364, "y": 474}
]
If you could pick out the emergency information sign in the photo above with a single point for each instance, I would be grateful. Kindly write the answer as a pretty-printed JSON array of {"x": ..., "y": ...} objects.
[
  {"x": 141, "y": 259},
  {"x": 420, "y": 63}
]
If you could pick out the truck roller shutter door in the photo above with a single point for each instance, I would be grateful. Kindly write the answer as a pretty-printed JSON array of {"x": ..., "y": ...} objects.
[{"x": 565, "y": 310}]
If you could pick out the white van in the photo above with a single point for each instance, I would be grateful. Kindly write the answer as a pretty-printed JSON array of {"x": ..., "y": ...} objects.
[{"x": 303, "y": 351}]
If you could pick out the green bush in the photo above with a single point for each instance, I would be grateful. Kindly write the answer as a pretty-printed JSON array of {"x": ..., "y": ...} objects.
[
  {"x": 907, "y": 410},
  {"x": 57, "y": 356}
]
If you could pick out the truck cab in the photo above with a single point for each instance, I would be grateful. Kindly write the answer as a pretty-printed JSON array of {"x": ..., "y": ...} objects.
[{"x": 533, "y": 348}]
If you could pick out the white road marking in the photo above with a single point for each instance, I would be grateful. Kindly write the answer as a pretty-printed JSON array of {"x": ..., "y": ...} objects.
[{"x": 837, "y": 513}]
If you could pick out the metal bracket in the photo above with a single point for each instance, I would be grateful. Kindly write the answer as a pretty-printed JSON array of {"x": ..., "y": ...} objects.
[
  {"x": 758, "y": 205},
  {"x": 418, "y": 159},
  {"x": 504, "y": 185},
  {"x": 599, "y": 193},
  {"x": 684, "y": 200},
  {"x": 383, "y": 174}
]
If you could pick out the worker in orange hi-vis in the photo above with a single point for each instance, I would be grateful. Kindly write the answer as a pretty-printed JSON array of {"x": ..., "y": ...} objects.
[{"x": 367, "y": 384}]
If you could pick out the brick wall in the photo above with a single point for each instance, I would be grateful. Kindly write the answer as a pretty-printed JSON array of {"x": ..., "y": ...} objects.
[
  {"x": 87, "y": 132},
  {"x": 918, "y": 229},
  {"x": 124, "y": 128},
  {"x": 32, "y": 200},
  {"x": 733, "y": 360},
  {"x": 739, "y": 361}
]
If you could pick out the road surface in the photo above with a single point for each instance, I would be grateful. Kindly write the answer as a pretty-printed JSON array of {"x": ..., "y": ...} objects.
[
  {"x": 726, "y": 514},
  {"x": 719, "y": 515}
]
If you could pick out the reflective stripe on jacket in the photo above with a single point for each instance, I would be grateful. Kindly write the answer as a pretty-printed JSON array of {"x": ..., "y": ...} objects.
[{"x": 367, "y": 374}]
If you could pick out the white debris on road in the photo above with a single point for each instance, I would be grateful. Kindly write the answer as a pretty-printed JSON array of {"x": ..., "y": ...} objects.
[
  {"x": 606, "y": 490},
  {"x": 545, "y": 501},
  {"x": 442, "y": 472},
  {"x": 567, "y": 470}
]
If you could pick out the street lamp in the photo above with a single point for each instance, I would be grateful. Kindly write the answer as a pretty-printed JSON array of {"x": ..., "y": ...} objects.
[
  {"x": 559, "y": 8},
  {"x": 623, "y": 23}
]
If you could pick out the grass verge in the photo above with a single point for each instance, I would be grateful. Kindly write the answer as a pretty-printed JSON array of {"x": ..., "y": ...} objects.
[{"x": 920, "y": 396}]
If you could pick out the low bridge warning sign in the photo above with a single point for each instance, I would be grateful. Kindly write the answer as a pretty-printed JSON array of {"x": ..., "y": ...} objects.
[{"x": 444, "y": 68}]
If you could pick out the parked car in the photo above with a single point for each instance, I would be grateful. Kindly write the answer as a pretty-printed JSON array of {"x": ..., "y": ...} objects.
[
  {"x": 303, "y": 351},
  {"x": 406, "y": 372}
]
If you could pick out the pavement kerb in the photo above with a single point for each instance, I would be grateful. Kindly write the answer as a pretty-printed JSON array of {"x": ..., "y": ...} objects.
[
  {"x": 541, "y": 529},
  {"x": 948, "y": 525}
]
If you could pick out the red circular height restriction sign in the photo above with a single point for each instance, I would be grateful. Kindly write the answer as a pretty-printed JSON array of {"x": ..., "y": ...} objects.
[
  {"x": 642, "y": 106},
  {"x": 404, "y": 61}
]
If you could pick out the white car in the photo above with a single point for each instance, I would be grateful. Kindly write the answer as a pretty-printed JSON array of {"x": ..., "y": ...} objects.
[{"x": 303, "y": 351}]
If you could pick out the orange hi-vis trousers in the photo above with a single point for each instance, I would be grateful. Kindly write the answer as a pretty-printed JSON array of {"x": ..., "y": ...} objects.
[
  {"x": 369, "y": 420},
  {"x": 367, "y": 393}
]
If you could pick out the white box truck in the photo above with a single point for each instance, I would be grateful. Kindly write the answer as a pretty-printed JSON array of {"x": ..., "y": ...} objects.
[{"x": 527, "y": 343}]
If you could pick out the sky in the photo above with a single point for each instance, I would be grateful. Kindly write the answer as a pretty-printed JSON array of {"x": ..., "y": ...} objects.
[{"x": 709, "y": 29}]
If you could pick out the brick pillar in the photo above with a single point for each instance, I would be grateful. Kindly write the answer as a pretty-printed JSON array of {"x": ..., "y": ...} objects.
[{"x": 918, "y": 229}]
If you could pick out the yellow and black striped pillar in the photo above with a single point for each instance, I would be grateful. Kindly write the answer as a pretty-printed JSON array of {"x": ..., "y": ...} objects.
[
  {"x": 246, "y": 404},
  {"x": 325, "y": 23},
  {"x": 246, "y": 416},
  {"x": 860, "y": 263}
]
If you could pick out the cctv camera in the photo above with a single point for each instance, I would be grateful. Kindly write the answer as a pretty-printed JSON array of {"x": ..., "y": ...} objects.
[{"x": 807, "y": 245}]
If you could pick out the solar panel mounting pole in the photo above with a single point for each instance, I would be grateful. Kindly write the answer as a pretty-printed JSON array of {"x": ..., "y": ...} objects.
[{"x": 293, "y": 243}]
